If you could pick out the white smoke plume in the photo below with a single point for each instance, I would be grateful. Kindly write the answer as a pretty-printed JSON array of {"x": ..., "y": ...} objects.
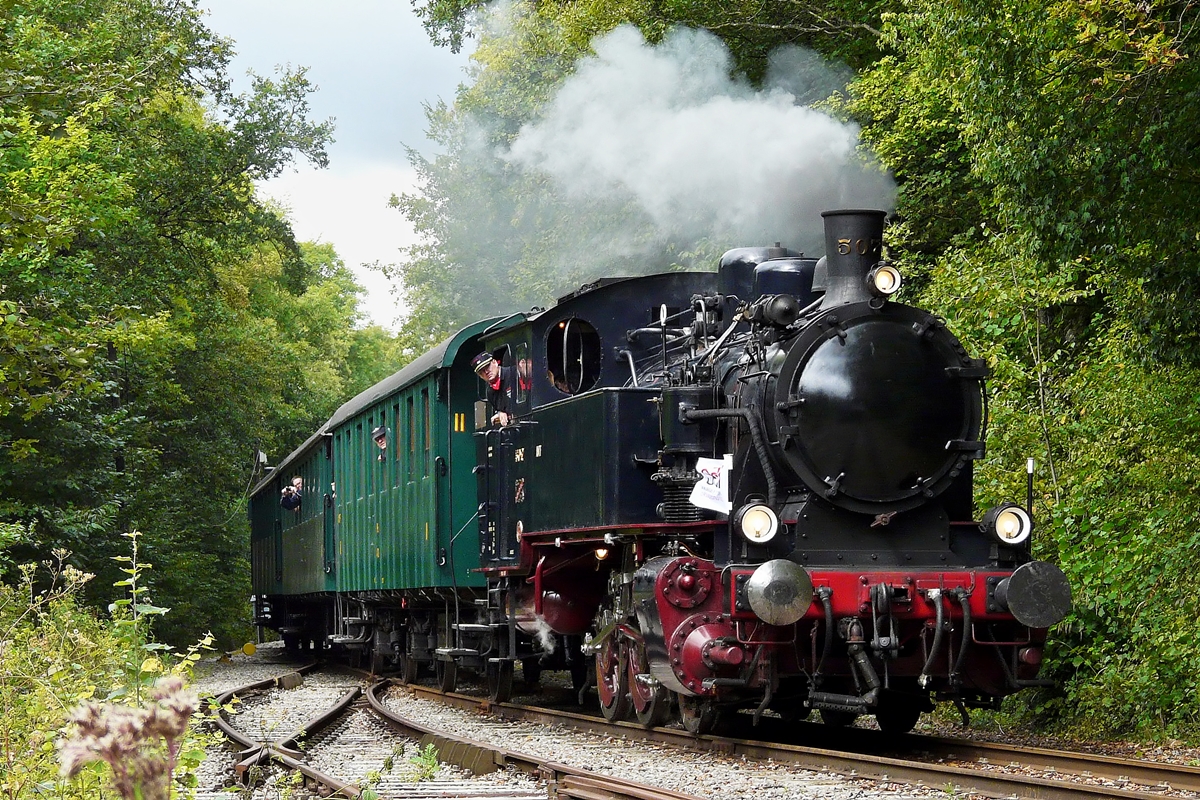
[
  {"x": 644, "y": 157},
  {"x": 702, "y": 155}
]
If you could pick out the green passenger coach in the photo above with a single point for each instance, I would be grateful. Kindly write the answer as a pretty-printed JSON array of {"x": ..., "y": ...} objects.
[{"x": 384, "y": 544}]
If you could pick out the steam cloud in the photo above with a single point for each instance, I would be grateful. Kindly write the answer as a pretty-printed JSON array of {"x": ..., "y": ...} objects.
[
  {"x": 644, "y": 158},
  {"x": 702, "y": 156}
]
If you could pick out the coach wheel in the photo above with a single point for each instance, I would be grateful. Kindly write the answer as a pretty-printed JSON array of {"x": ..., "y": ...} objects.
[
  {"x": 651, "y": 700},
  {"x": 447, "y": 674},
  {"x": 897, "y": 713},
  {"x": 698, "y": 714},
  {"x": 612, "y": 680},
  {"x": 838, "y": 719},
  {"x": 410, "y": 669},
  {"x": 531, "y": 670},
  {"x": 499, "y": 681}
]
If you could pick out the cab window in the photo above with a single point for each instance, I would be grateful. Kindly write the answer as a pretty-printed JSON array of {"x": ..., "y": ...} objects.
[{"x": 573, "y": 355}]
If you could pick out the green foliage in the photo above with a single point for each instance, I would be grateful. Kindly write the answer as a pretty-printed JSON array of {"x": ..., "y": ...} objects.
[
  {"x": 57, "y": 655},
  {"x": 844, "y": 29},
  {"x": 54, "y": 656},
  {"x": 158, "y": 324},
  {"x": 1047, "y": 210},
  {"x": 426, "y": 763}
]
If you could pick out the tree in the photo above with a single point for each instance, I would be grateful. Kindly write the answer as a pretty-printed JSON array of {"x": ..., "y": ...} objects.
[
  {"x": 159, "y": 322},
  {"x": 1033, "y": 142}
]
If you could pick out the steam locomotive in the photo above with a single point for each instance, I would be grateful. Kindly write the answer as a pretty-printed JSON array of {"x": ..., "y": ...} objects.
[{"x": 748, "y": 489}]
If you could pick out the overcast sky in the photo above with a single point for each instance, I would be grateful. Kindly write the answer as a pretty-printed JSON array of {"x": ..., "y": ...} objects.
[{"x": 375, "y": 66}]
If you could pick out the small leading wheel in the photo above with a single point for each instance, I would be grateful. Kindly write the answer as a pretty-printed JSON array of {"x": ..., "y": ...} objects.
[
  {"x": 612, "y": 680},
  {"x": 838, "y": 719},
  {"x": 651, "y": 700},
  {"x": 500, "y": 681},
  {"x": 897, "y": 714},
  {"x": 698, "y": 714},
  {"x": 447, "y": 674}
]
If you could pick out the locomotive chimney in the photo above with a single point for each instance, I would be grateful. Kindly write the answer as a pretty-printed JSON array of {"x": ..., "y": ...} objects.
[{"x": 853, "y": 246}]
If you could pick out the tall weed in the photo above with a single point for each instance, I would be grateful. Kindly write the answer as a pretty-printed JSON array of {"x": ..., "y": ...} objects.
[{"x": 57, "y": 658}]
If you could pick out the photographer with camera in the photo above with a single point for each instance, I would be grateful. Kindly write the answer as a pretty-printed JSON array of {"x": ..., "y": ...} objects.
[{"x": 290, "y": 496}]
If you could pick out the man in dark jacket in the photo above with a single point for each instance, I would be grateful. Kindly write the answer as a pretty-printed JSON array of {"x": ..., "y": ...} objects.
[
  {"x": 289, "y": 498},
  {"x": 502, "y": 386}
]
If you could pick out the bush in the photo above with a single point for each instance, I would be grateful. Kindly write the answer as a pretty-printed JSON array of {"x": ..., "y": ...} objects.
[{"x": 55, "y": 657}]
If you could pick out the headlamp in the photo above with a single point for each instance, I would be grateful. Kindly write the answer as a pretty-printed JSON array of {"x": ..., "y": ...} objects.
[
  {"x": 757, "y": 522},
  {"x": 884, "y": 280},
  {"x": 1009, "y": 523}
]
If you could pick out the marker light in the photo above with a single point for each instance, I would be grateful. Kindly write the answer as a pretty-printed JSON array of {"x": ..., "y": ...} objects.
[
  {"x": 601, "y": 553},
  {"x": 884, "y": 280},
  {"x": 757, "y": 522},
  {"x": 1009, "y": 523}
]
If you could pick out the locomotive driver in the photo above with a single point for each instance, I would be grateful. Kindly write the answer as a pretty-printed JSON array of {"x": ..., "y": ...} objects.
[{"x": 502, "y": 386}]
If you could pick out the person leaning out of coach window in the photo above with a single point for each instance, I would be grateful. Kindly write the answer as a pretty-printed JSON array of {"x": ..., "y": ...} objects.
[
  {"x": 502, "y": 386},
  {"x": 289, "y": 498},
  {"x": 380, "y": 436}
]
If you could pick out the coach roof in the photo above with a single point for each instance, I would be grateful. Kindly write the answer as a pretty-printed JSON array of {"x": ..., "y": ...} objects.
[{"x": 439, "y": 357}]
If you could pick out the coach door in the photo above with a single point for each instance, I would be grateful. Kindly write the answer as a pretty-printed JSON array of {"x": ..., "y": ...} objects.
[{"x": 327, "y": 500}]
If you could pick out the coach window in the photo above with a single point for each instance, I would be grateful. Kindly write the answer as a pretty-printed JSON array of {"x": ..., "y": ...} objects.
[
  {"x": 412, "y": 437},
  {"x": 427, "y": 430},
  {"x": 573, "y": 355}
]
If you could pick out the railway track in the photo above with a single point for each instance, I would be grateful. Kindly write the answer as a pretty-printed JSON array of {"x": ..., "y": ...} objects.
[
  {"x": 349, "y": 736},
  {"x": 993, "y": 770},
  {"x": 349, "y": 731}
]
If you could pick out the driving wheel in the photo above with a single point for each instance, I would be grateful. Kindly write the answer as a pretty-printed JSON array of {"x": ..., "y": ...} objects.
[
  {"x": 651, "y": 700},
  {"x": 612, "y": 680}
]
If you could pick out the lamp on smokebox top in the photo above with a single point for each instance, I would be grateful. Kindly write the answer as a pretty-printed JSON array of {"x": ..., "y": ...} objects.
[{"x": 884, "y": 280}]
